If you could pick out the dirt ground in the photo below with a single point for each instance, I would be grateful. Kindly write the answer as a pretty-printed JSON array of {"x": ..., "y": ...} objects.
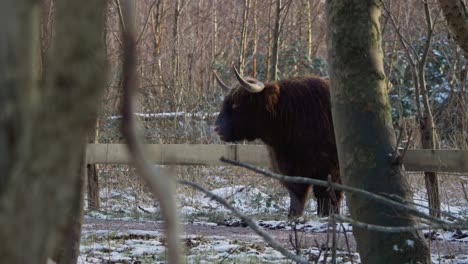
[{"x": 307, "y": 239}]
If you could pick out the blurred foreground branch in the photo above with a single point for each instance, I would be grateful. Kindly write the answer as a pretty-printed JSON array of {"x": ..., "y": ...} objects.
[{"x": 161, "y": 183}]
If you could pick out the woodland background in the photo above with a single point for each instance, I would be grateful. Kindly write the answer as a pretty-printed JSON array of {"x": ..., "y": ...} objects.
[{"x": 181, "y": 42}]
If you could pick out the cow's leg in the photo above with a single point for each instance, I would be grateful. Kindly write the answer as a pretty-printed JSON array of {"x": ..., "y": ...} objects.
[
  {"x": 327, "y": 202},
  {"x": 298, "y": 194}
]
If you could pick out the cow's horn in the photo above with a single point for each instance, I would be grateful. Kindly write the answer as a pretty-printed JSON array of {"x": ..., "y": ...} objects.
[
  {"x": 252, "y": 85},
  {"x": 221, "y": 83}
]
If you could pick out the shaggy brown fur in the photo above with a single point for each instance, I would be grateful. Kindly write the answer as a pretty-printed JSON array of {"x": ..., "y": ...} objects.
[{"x": 293, "y": 118}]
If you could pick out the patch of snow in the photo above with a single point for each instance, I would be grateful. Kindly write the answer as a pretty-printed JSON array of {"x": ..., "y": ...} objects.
[
  {"x": 246, "y": 199},
  {"x": 410, "y": 243},
  {"x": 201, "y": 115}
]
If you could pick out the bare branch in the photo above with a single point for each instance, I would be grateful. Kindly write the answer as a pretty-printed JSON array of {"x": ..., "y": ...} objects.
[
  {"x": 379, "y": 198},
  {"x": 447, "y": 214},
  {"x": 146, "y": 22}
]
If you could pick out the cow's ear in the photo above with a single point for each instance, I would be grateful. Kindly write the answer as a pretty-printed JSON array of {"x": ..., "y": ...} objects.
[{"x": 271, "y": 94}]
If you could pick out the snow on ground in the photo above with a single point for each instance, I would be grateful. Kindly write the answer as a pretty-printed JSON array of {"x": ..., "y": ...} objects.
[
  {"x": 137, "y": 246},
  {"x": 142, "y": 246},
  {"x": 246, "y": 199}
]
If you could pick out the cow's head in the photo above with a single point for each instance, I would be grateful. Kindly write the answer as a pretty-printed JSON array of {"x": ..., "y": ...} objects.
[{"x": 246, "y": 109}]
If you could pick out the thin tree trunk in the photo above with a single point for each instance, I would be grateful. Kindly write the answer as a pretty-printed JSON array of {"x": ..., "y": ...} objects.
[
  {"x": 175, "y": 35},
  {"x": 364, "y": 132},
  {"x": 157, "y": 22},
  {"x": 269, "y": 40},
  {"x": 275, "y": 44},
  {"x": 244, "y": 36},
  {"x": 254, "y": 39},
  {"x": 94, "y": 201},
  {"x": 201, "y": 35},
  {"x": 176, "y": 78},
  {"x": 309, "y": 28},
  {"x": 463, "y": 139},
  {"x": 214, "y": 39},
  {"x": 427, "y": 126}
]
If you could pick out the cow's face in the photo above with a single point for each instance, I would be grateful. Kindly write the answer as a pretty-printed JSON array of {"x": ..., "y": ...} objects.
[
  {"x": 240, "y": 117},
  {"x": 246, "y": 110}
]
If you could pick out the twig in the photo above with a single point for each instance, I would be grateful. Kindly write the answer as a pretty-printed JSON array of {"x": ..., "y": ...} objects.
[
  {"x": 398, "y": 158},
  {"x": 161, "y": 185},
  {"x": 398, "y": 198},
  {"x": 410, "y": 135},
  {"x": 296, "y": 243},
  {"x": 375, "y": 197},
  {"x": 266, "y": 236},
  {"x": 464, "y": 190},
  {"x": 347, "y": 243},
  {"x": 143, "y": 209},
  {"x": 395, "y": 151},
  {"x": 332, "y": 221},
  {"x": 146, "y": 22}
]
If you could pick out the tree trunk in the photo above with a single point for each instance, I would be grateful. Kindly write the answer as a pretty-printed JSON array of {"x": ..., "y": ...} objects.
[
  {"x": 214, "y": 39},
  {"x": 309, "y": 29},
  {"x": 457, "y": 20},
  {"x": 268, "y": 51},
  {"x": 275, "y": 44},
  {"x": 91, "y": 175},
  {"x": 47, "y": 130},
  {"x": 364, "y": 132},
  {"x": 254, "y": 40},
  {"x": 175, "y": 49},
  {"x": 244, "y": 36},
  {"x": 67, "y": 249},
  {"x": 427, "y": 125},
  {"x": 157, "y": 22}
]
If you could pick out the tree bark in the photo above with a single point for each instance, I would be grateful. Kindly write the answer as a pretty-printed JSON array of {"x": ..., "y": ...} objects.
[
  {"x": 94, "y": 202},
  {"x": 244, "y": 36},
  {"x": 426, "y": 119},
  {"x": 67, "y": 248},
  {"x": 457, "y": 20},
  {"x": 254, "y": 40},
  {"x": 40, "y": 184},
  {"x": 268, "y": 48},
  {"x": 276, "y": 41},
  {"x": 364, "y": 132}
]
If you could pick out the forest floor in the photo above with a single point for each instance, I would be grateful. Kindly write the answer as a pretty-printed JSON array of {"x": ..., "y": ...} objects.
[
  {"x": 128, "y": 228},
  {"x": 142, "y": 241}
]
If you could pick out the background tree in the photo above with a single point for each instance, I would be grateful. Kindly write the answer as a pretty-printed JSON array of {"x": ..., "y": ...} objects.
[
  {"x": 364, "y": 132},
  {"x": 244, "y": 35},
  {"x": 417, "y": 58}
]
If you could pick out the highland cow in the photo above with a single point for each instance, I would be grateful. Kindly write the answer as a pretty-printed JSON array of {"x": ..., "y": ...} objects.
[{"x": 293, "y": 118}]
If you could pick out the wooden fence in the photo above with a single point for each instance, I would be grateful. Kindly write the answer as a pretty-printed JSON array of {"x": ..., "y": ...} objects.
[{"x": 209, "y": 154}]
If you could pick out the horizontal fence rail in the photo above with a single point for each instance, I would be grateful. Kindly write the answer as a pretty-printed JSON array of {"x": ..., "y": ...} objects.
[{"x": 209, "y": 154}]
